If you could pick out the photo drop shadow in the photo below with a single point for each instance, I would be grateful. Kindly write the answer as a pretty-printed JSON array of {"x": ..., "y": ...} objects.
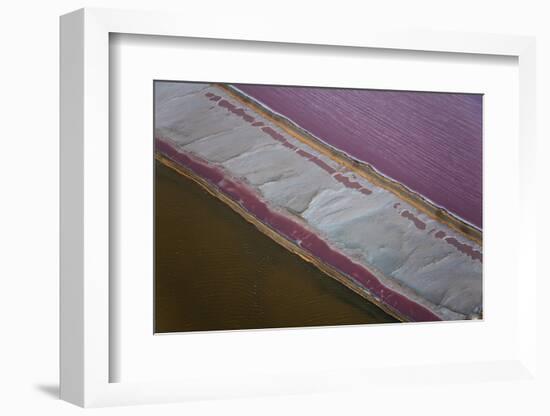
[{"x": 51, "y": 390}]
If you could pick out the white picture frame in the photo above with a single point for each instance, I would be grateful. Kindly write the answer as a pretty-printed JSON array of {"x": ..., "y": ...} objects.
[{"x": 86, "y": 302}]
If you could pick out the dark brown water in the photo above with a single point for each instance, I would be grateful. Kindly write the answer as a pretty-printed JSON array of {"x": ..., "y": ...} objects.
[{"x": 216, "y": 271}]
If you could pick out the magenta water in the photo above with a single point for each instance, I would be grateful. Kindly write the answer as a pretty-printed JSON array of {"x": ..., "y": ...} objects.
[{"x": 430, "y": 142}]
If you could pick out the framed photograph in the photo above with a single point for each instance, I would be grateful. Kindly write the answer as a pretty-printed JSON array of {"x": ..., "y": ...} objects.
[{"x": 284, "y": 213}]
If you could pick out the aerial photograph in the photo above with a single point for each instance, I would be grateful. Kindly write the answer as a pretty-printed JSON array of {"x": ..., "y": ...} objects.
[{"x": 291, "y": 206}]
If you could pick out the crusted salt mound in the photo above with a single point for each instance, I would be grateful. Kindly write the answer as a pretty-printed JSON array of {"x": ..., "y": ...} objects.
[{"x": 409, "y": 263}]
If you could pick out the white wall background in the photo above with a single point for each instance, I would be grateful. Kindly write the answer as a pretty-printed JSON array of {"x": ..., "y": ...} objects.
[{"x": 29, "y": 208}]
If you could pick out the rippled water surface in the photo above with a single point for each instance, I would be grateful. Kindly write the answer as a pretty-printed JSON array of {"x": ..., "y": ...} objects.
[{"x": 430, "y": 142}]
